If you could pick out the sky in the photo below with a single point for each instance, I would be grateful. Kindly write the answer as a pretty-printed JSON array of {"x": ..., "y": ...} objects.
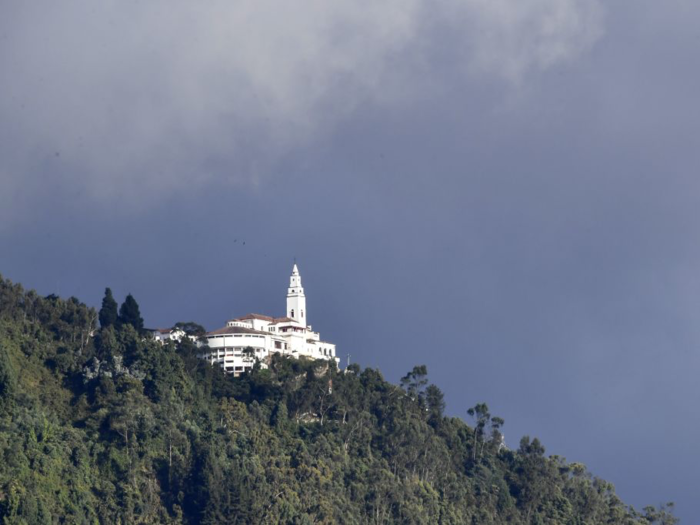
[{"x": 503, "y": 190}]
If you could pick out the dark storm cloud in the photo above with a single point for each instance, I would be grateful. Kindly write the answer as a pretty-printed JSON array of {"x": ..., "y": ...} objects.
[
  {"x": 504, "y": 190},
  {"x": 131, "y": 98}
]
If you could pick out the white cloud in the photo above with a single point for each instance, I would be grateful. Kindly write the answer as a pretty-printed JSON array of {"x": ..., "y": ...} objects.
[
  {"x": 512, "y": 38},
  {"x": 142, "y": 97}
]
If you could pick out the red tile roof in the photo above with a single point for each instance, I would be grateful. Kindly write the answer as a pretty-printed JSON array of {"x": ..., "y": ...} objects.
[
  {"x": 236, "y": 330},
  {"x": 278, "y": 320},
  {"x": 254, "y": 316}
]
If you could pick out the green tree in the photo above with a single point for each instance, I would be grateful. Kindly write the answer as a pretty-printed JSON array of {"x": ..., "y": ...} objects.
[
  {"x": 129, "y": 313},
  {"x": 191, "y": 328},
  {"x": 414, "y": 382},
  {"x": 435, "y": 400},
  {"x": 8, "y": 379},
  {"x": 661, "y": 516},
  {"x": 108, "y": 312},
  {"x": 483, "y": 421}
]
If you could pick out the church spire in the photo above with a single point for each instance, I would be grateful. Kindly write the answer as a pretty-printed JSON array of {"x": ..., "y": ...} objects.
[{"x": 296, "y": 300}]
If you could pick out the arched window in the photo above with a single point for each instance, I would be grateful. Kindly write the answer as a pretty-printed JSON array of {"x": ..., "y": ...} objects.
[
  {"x": 302, "y": 313},
  {"x": 292, "y": 314}
]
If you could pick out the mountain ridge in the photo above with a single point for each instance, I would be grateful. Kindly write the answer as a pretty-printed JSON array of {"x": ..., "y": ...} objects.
[{"x": 103, "y": 425}]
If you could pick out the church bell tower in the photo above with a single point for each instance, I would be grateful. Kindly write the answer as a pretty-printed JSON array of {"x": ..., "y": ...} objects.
[{"x": 296, "y": 300}]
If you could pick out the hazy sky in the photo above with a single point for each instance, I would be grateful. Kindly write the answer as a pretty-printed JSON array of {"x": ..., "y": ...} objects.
[{"x": 504, "y": 190}]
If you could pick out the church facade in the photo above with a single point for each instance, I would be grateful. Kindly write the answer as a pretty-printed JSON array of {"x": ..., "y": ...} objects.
[{"x": 254, "y": 337}]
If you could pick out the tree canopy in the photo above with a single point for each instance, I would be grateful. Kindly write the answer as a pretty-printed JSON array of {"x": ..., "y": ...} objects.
[
  {"x": 191, "y": 328},
  {"x": 108, "y": 312},
  {"x": 118, "y": 428},
  {"x": 129, "y": 313}
]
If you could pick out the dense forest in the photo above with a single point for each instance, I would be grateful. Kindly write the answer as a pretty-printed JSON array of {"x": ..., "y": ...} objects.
[{"x": 105, "y": 425}]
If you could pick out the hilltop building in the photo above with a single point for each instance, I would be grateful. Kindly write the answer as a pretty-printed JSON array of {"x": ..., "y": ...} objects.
[
  {"x": 163, "y": 335},
  {"x": 243, "y": 340}
]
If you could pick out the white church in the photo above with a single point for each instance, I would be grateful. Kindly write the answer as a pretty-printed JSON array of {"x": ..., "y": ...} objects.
[{"x": 230, "y": 346}]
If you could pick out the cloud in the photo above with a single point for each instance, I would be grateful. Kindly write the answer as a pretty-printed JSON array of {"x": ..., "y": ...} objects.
[
  {"x": 512, "y": 39},
  {"x": 126, "y": 98}
]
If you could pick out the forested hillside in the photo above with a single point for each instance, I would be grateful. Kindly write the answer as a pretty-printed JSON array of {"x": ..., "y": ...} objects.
[{"x": 106, "y": 426}]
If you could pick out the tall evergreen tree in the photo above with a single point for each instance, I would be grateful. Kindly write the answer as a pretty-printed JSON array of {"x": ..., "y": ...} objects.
[
  {"x": 129, "y": 313},
  {"x": 108, "y": 312}
]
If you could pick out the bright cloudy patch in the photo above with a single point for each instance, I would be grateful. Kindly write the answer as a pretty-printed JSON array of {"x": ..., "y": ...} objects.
[
  {"x": 511, "y": 38},
  {"x": 129, "y": 98}
]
